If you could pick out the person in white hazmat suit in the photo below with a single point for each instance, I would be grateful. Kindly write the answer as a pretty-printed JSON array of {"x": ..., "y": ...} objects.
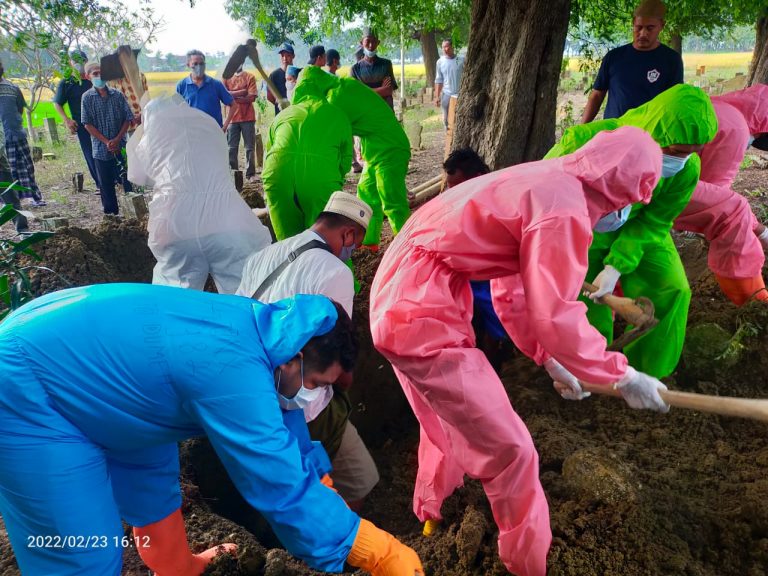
[
  {"x": 198, "y": 223},
  {"x": 283, "y": 270}
]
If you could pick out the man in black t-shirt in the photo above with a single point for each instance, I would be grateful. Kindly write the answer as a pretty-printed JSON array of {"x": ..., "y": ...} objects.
[
  {"x": 633, "y": 74},
  {"x": 373, "y": 71},
  {"x": 70, "y": 91},
  {"x": 278, "y": 74}
]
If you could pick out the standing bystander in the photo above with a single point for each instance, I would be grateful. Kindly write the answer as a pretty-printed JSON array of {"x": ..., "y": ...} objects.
[
  {"x": 333, "y": 61},
  {"x": 106, "y": 115},
  {"x": 203, "y": 92},
  {"x": 278, "y": 75},
  {"x": 374, "y": 71},
  {"x": 447, "y": 78},
  {"x": 19, "y": 157},
  {"x": 70, "y": 91},
  {"x": 242, "y": 87},
  {"x": 634, "y": 74}
]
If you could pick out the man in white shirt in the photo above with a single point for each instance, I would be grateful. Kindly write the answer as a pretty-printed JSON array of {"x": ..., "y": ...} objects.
[
  {"x": 447, "y": 78},
  {"x": 313, "y": 262}
]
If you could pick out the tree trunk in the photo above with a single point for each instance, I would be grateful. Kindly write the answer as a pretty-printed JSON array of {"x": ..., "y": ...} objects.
[
  {"x": 508, "y": 99},
  {"x": 676, "y": 42},
  {"x": 758, "y": 70},
  {"x": 429, "y": 52},
  {"x": 30, "y": 129}
]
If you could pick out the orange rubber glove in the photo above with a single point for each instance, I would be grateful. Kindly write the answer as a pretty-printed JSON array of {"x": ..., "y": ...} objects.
[
  {"x": 328, "y": 481},
  {"x": 381, "y": 554},
  {"x": 163, "y": 548}
]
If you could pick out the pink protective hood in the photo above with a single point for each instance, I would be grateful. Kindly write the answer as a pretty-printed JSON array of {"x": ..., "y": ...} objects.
[
  {"x": 618, "y": 168},
  {"x": 752, "y": 102}
]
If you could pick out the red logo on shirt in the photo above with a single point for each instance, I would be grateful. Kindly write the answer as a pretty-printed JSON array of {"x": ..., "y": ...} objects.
[{"x": 653, "y": 75}]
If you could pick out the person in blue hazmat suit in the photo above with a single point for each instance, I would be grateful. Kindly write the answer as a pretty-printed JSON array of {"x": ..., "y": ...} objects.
[{"x": 99, "y": 385}]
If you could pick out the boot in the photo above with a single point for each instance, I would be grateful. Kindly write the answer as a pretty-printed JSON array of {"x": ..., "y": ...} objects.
[
  {"x": 740, "y": 290},
  {"x": 163, "y": 548}
]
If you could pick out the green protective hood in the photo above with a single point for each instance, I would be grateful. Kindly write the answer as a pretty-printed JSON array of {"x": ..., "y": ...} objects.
[
  {"x": 314, "y": 82},
  {"x": 681, "y": 115}
]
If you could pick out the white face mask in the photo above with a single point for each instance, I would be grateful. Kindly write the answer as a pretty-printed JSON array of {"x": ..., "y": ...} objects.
[
  {"x": 304, "y": 398},
  {"x": 671, "y": 165},
  {"x": 614, "y": 220},
  {"x": 313, "y": 410},
  {"x": 369, "y": 53},
  {"x": 749, "y": 142}
]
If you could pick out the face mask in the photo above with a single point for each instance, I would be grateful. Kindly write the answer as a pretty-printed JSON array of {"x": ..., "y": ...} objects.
[
  {"x": 199, "y": 70},
  {"x": 313, "y": 410},
  {"x": 671, "y": 165},
  {"x": 749, "y": 142},
  {"x": 303, "y": 398},
  {"x": 369, "y": 53},
  {"x": 346, "y": 251},
  {"x": 98, "y": 82},
  {"x": 614, "y": 220},
  {"x": 80, "y": 68}
]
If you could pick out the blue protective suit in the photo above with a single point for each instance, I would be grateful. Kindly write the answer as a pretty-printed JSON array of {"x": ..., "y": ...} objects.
[{"x": 100, "y": 383}]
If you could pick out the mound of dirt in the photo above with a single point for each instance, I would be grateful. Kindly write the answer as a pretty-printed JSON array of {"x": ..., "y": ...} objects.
[{"x": 114, "y": 251}]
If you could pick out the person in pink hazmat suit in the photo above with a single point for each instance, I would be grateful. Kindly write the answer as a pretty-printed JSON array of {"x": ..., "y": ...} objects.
[
  {"x": 737, "y": 240},
  {"x": 527, "y": 229}
]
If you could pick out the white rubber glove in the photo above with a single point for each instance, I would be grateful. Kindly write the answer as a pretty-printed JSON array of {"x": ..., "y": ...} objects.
[
  {"x": 763, "y": 237},
  {"x": 640, "y": 390},
  {"x": 565, "y": 383},
  {"x": 605, "y": 282}
]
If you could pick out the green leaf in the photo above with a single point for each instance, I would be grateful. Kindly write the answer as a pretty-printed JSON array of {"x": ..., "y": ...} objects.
[
  {"x": 30, "y": 240},
  {"x": 5, "y": 294},
  {"x": 7, "y": 213}
]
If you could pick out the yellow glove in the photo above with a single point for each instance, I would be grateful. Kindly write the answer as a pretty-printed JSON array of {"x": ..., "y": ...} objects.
[{"x": 381, "y": 554}]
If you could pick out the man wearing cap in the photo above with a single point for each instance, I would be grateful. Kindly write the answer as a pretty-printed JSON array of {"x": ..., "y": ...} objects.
[
  {"x": 242, "y": 87},
  {"x": 635, "y": 73},
  {"x": 338, "y": 230},
  {"x": 291, "y": 77},
  {"x": 277, "y": 76},
  {"x": 70, "y": 91},
  {"x": 203, "y": 92},
  {"x": 333, "y": 60},
  {"x": 317, "y": 56},
  {"x": 373, "y": 71}
]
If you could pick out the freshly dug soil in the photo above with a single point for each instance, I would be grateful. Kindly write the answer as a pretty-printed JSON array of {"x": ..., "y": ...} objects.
[
  {"x": 630, "y": 492},
  {"x": 113, "y": 251}
]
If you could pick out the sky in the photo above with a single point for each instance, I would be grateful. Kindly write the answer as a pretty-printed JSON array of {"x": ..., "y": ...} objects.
[{"x": 206, "y": 27}]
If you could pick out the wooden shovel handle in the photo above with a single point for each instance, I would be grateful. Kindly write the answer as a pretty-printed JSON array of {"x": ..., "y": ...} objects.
[
  {"x": 253, "y": 54},
  {"x": 752, "y": 408},
  {"x": 131, "y": 70},
  {"x": 625, "y": 307}
]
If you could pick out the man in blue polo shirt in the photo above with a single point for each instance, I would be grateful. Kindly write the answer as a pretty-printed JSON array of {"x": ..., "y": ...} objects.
[
  {"x": 203, "y": 92},
  {"x": 633, "y": 74}
]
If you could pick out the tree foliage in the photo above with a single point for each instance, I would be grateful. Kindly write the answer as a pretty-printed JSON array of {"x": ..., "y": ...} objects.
[
  {"x": 610, "y": 20},
  {"x": 275, "y": 21},
  {"x": 40, "y": 34}
]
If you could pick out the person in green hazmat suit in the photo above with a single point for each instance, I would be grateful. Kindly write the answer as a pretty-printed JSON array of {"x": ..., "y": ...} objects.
[
  {"x": 309, "y": 152},
  {"x": 385, "y": 146},
  {"x": 641, "y": 252}
]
